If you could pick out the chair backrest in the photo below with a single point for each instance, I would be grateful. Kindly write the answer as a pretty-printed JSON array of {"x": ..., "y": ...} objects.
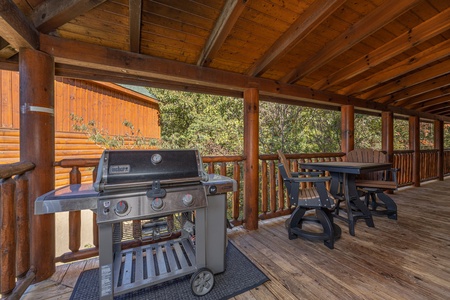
[
  {"x": 285, "y": 163},
  {"x": 369, "y": 156}
]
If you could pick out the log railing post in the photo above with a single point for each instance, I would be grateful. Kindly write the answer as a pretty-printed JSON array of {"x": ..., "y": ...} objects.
[{"x": 251, "y": 150}]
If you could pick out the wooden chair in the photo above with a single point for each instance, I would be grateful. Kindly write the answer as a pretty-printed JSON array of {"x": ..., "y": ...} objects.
[
  {"x": 305, "y": 199},
  {"x": 375, "y": 184}
]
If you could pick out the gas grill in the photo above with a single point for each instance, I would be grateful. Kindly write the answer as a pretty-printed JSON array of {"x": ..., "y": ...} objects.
[{"x": 153, "y": 190}]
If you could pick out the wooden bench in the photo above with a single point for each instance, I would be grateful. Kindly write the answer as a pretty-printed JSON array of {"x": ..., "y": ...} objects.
[{"x": 375, "y": 184}]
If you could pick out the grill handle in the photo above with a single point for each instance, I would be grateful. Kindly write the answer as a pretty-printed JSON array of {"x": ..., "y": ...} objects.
[{"x": 156, "y": 191}]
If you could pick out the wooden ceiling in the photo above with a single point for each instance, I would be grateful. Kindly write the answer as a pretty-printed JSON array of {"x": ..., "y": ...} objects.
[{"x": 375, "y": 54}]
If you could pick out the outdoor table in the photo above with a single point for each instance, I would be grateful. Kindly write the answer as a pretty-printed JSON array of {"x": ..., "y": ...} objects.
[{"x": 343, "y": 184}]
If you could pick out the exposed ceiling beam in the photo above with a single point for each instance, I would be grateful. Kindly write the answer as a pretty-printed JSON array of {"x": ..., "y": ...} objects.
[
  {"x": 15, "y": 28},
  {"x": 427, "y": 57},
  {"x": 151, "y": 68},
  {"x": 52, "y": 14},
  {"x": 399, "y": 97},
  {"x": 417, "y": 35},
  {"x": 426, "y": 104},
  {"x": 304, "y": 25},
  {"x": 442, "y": 107},
  {"x": 135, "y": 25},
  {"x": 230, "y": 14},
  {"x": 375, "y": 20},
  {"x": 434, "y": 71},
  {"x": 425, "y": 97}
]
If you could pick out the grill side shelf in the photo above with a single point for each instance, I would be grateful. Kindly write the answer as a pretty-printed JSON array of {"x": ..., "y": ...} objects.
[{"x": 152, "y": 264}]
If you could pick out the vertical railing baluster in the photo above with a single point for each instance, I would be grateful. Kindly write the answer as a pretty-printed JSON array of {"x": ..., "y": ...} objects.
[
  {"x": 7, "y": 237},
  {"x": 273, "y": 187},
  {"x": 236, "y": 195},
  {"x": 75, "y": 216},
  {"x": 22, "y": 225},
  {"x": 264, "y": 204},
  {"x": 94, "y": 217}
]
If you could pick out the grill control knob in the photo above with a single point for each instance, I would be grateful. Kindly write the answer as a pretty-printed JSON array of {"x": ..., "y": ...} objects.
[
  {"x": 157, "y": 204},
  {"x": 121, "y": 207},
  {"x": 188, "y": 200}
]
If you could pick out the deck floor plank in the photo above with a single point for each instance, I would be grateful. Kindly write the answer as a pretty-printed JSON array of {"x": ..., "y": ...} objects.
[{"x": 408, "y": 258}]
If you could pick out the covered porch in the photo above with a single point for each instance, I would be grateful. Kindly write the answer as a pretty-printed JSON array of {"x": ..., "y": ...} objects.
[
  {"x": 404, "y": 259},
  {"x": 386, "y": 59}
]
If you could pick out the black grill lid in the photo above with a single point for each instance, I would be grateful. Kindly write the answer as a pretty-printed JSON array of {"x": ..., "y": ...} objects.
[{"x": 134, "y": 168}]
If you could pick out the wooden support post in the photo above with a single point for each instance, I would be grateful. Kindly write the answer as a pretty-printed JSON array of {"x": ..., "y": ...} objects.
[
  {"x": 439, "y": 145},
  {"x": 414, "y": 144},
  {"x": 387, "y": 134},
  {"x": 347, "y": 128},
  {"x": 37, "y": 144},
  {"x": 251, "y": 150}
]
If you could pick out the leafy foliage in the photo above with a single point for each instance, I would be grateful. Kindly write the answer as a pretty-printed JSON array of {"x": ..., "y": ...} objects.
[
  {"x": 131, "y": 139},
  {"x": 212, "y": 124}
]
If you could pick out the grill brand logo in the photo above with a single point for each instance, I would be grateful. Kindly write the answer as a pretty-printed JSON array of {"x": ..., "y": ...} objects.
[{"x": 119, "y": 169}]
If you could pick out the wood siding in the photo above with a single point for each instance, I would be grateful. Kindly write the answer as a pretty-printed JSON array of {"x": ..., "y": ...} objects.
[{"x": 109, "y": 105}]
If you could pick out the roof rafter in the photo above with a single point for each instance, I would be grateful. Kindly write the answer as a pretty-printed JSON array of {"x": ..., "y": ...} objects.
[
  {"x": 424, "y": 105},
  {"x": 429, "y": 56},
  {"x": 303, "y": 26},
  {"x": 51, "y": 14},
  {"x": 135, "y": 25},
  {"x": 438, "y": 92},
  {"x": 404, "y": 95},
  {"x": 437, "y": 70},
  {"x": 417, "y": 35},
  {"x": 230, "y": 14},
  {"x": 15, "y": 28},
  {"x": 353, "y": 35}
]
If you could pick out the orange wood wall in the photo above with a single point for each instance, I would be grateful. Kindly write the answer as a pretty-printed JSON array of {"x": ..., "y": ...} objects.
[{"x": 108, "y": 104}]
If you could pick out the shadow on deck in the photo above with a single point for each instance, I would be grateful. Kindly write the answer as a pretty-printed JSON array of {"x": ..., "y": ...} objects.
[{"x": 404, "y": 259}]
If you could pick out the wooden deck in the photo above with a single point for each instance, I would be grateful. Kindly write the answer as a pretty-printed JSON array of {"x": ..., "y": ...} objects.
[{"x": 404, "y": 259}]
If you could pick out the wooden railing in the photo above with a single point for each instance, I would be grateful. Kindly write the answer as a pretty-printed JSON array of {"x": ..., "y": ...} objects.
[
  {"x": 403, "y": 161},
  {"x": 447, "y": 162},
  {"x": 230, "y": 166},
  {"x": 273, "y": 199},
  {"x": 428, "y": 164},
  {"x": 16, "y": 273}
]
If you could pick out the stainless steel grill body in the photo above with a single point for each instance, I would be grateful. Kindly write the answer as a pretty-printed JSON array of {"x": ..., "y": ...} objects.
[{"x": 141, "y": 185}]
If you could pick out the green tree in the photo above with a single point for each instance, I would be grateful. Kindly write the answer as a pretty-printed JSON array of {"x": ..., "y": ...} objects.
[{"x": 212, "y": 124}]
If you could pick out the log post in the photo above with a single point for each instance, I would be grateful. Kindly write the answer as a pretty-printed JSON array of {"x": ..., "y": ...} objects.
[
  {"x": 37, "y": 144},
  {"x": 347, "y": 128},
  {"x": 251, "y": 165},
  {"x": 414, "y": 144},
  {"x": 387, "y": 134},
  {"x": 439, "y": 145}
]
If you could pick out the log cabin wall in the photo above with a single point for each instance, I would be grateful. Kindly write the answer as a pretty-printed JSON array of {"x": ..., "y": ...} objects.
[{"x": 108, "y": 104}]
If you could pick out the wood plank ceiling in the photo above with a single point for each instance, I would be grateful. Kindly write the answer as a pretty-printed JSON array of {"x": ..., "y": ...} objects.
[{"x": 375, "y": 54}]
